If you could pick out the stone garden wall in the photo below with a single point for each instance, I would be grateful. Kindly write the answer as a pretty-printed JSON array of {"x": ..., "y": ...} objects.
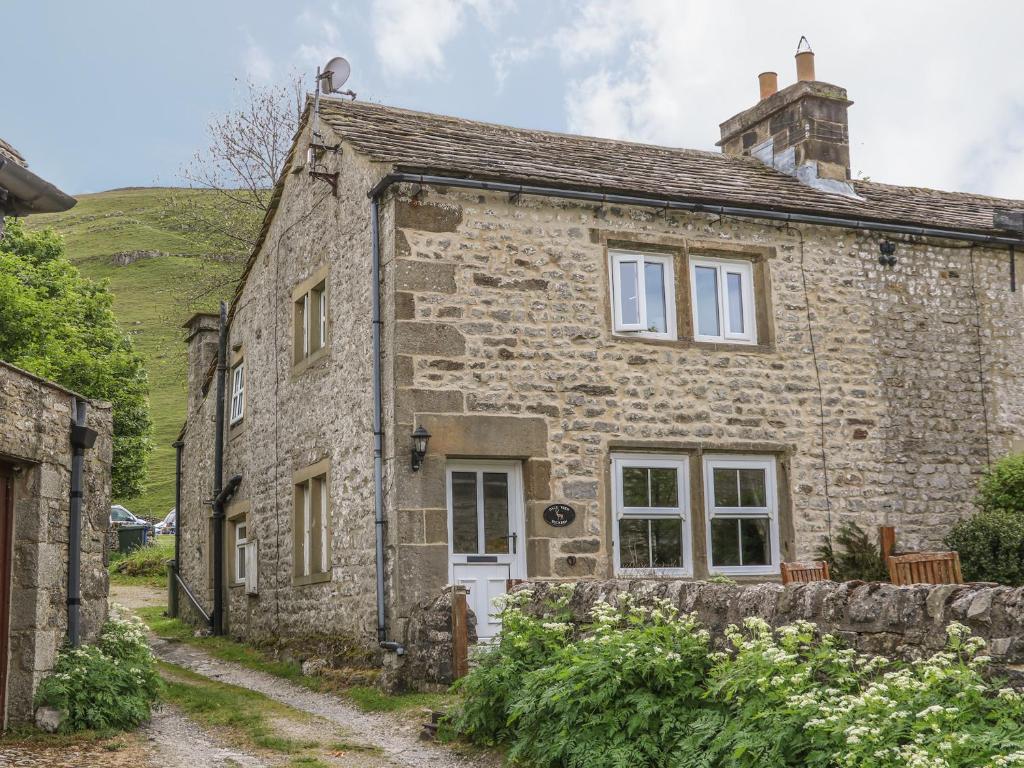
[{"x": 876, "y": 618}]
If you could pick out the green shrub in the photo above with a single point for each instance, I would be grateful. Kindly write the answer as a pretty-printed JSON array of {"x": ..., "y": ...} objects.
[
  {"x": 642, "y": 688},
  {"x": 144, "y": 561},
  {"x": 623, "y": 696},
  {"x": 991, "y": 546},
  {"x": 107, "y": 686},
  {"x": 524, "y": 644},
  {"x": 1002, "y": 486},
  {"x": 859, "y": 557}
]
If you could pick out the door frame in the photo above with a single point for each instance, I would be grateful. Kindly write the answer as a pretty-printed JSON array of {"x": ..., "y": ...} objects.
[
  {"x": 6, "y": 576},
  {"x": 516, "y": 511}
]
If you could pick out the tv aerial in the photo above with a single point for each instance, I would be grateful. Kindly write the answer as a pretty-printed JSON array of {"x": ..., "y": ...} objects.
[{"x": 329, "y": 80}]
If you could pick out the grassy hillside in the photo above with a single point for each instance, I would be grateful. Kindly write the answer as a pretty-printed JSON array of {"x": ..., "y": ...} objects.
[{"x": 153, "y": 297}]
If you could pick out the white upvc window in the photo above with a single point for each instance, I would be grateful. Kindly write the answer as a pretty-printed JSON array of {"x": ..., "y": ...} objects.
[
  {"x": 643, "y": 294},
  {"x": 305, "y": 326},
  {"x": 307, "y": 527},
  {"x": 651, "y": 530},
  {"x": 241, "y": 539},
  {"x": 237, "y": 392},
  {"x": 321, "y": 293},
  {"x": 722, "y": 295},
  {"x": 742, "y": 515},
  {"x": 325, "y": 548}
]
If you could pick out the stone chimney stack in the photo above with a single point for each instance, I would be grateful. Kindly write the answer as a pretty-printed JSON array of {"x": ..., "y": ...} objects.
[
  {"x": 801, "y": 130},
  {"x": 201, "y": 336}
]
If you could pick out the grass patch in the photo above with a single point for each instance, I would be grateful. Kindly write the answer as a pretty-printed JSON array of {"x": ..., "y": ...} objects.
[
  {"x": 146, "y": 565},
  {"x": 244, "y": 714},
  {"x": 367, "y": 698}
]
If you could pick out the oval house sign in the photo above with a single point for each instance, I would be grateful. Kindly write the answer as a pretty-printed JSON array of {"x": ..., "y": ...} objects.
[{"x": 559, "y": 515}]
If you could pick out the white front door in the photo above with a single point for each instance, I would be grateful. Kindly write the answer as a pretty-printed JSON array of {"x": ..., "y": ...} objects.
[{"x": 486, "y": 542}]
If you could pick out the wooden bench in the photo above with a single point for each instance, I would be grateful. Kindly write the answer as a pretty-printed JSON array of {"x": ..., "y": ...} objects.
[
  {"x": 799, "y": 573},
  {"x": 925, "y": 568}
]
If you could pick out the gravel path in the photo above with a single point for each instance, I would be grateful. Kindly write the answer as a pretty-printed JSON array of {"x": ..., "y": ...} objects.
[
  {"x": 399, "y": 741},
  {"x": 177, "y": 742}
]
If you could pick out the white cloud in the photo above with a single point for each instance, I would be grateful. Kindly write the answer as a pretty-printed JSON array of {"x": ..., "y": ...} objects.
[
  {"x": 258, "y": 65},
  {"x": 936, "y": 104},
  {"x": 410, "y": 36}
]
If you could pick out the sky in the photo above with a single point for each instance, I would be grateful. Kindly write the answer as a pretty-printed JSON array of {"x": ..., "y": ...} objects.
[{"x": 114, "y": 93}]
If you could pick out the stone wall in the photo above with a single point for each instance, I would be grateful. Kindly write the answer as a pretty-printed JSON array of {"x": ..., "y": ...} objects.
[
  {"x": 897, "y": 622},
  {"x": 429, "y": 646},
  {"x": 504, "y": 349},
  {"x": 35, "y": 421},
  {"x": 295, "y": 416}
]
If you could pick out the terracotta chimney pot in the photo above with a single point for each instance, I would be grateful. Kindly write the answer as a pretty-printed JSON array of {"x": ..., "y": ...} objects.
[
  {"x": 804, "y": 61},
  {"x": 769, "y": 83}
]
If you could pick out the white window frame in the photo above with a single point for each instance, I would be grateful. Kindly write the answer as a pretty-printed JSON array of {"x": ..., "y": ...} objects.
[
  {"x": 323, "y": 315},
  {"x": 240, "y": 552},
  {"x": 238, "y": 392},
  {"x": 305, "y": 325},
  {"x": 723, "y": 267},
  {"x": 640, "y": 258},
  {"x": 769, "y": 512},
  {"x": 307, "y": 526},
  {"x": 681, "y": 464},
  {"x": 325, "y": 554}
]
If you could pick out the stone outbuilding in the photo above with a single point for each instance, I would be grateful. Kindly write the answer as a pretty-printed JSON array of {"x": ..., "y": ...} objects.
[
  {"x": 463, "y": 353},
  {"x": 39, "y": 425}
]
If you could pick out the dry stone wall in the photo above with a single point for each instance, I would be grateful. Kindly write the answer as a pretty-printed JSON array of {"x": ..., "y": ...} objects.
[{"x": 896, "y": 622}]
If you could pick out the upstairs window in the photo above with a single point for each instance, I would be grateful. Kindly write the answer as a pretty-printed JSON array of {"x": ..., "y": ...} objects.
[
  {"x": 742, "y": 515},
  {"x": 310, "y": 321},
  {"x": 722, "y": 294},
  {"x": 643, "y": 294},
  {"x": 237, "y": 393},
  {"x": 652, "y": 528}
]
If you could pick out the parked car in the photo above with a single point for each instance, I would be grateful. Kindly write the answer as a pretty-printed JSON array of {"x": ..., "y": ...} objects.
[
  {"x": 121, "y": 516},
  {"x": 169, "y": 524}
]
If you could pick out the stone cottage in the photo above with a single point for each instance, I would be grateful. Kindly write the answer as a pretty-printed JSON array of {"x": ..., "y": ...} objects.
[
  {"x": 41, "y": 607},
  {"x": 467, "y": 353}
]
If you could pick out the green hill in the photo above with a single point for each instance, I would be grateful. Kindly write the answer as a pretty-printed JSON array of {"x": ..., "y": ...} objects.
[{"x": 155, "y": 292}]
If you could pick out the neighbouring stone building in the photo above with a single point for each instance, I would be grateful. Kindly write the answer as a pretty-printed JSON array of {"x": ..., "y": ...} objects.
[
  {"x": 631, "y": 360},
  {"x": 35, "y": 507}
]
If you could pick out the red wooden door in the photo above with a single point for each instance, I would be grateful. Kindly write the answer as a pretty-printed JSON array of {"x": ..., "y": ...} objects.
[{"x": 6, "y": 553}]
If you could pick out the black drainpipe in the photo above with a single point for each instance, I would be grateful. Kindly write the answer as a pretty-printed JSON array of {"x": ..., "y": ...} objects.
[
  {"x": 172, "y": 584},
  {"x": 218, "y": 477},
  {"x": 82, "y": 438}
]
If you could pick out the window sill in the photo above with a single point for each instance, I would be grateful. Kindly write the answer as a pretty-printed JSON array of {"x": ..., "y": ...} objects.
[
  {"x": 307, "y": 362},
  {"x": 712, "y": 346},
  {"x": 739, "y": 571},
  {"x": 313, "y": 578},
  {"x": 653, "y": 573}
]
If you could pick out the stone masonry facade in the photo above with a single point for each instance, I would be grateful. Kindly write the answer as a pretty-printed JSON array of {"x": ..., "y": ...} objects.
[
  {"x": 35, "y": 448},
  {"x": 881, "y": 393}
]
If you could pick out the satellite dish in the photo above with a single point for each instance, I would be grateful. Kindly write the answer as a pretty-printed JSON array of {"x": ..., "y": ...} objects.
[{"x": 335, "y": 75}]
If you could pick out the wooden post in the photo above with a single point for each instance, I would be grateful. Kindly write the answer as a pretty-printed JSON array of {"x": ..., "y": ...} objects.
[
  {"x": 887, "y": 539},
  {"x": 460, "y": 634}
]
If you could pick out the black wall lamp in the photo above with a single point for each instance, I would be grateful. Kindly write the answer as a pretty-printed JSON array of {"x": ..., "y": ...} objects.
[
  {"x": 887, "y": 253},
  {"x": 420, "y": 438}
]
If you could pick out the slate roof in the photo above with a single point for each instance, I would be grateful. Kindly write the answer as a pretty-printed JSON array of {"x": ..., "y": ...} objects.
[
  {"x": 422, "y": 142},
  {"x": 6, "y": 150}
]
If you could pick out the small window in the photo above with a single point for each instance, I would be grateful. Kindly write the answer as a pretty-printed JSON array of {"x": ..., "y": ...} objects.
[
  {"x": 652, "y": 528},
  {"x": 722, "y": 293},
  {"x": 241, "y": 539},
  {"x": 742, "y": 515},
  {"x": 312, "y": 542},
  {"x": 643, "y": 294},
  {"x": 311, "y": 321},
  {"x": 237, "y": 393}
]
